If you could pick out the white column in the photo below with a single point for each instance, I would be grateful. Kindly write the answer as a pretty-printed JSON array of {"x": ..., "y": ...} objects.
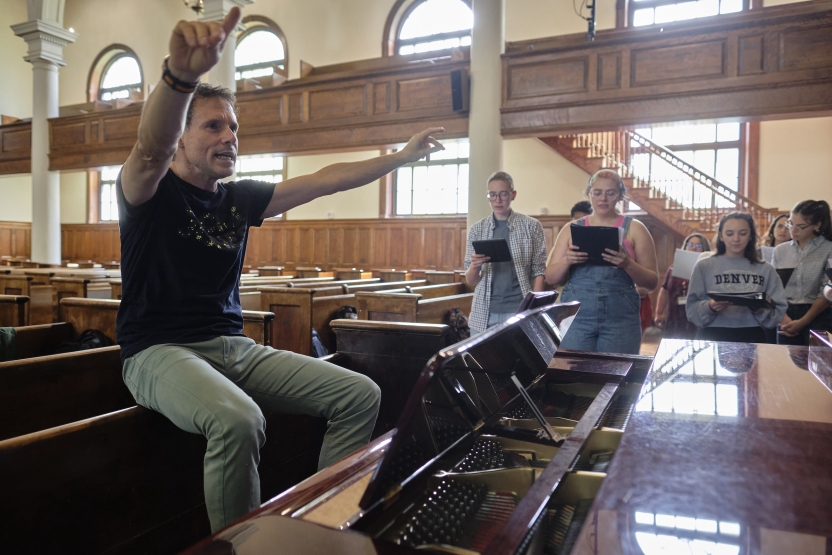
[
  {"x": 216, "y": 10},
  {"x": 486, "y": 156},
  {"x": 46, "y": 41}
]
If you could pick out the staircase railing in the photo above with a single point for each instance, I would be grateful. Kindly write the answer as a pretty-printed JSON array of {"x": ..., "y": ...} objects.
[{"x": 651, "y": 165}]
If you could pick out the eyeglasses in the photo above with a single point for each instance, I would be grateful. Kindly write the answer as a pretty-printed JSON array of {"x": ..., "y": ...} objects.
[
  {"x": 597, "y": 193},
  {"x": 502, "y": 194},
  {"x": 695, "y": 246},
  {"x": 801, "y": 227}
]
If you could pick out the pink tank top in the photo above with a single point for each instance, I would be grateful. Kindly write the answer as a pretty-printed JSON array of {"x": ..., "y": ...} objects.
[{"x": 622, "y": 221}]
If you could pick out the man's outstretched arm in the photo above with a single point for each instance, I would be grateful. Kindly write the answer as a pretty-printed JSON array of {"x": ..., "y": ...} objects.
[
  {"x": 341, "y": 177},
  {"x": 195, "y": 47}
]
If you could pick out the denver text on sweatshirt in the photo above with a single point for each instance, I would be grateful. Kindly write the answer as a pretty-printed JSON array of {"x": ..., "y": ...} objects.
[{"x": 721, "y": 274}]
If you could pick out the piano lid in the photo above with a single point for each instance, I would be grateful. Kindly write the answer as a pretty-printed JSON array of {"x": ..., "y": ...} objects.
[{"x": 440, "y": 412}]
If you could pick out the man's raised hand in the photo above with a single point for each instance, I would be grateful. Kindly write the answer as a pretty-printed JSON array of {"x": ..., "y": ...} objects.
[
  {"x": 196, "y": 46},
  {"x": 423, "y": 144}
]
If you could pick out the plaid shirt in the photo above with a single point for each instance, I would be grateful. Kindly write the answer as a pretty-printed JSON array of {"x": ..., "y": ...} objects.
[
  {"x": 528, "y": 252},
  {"x": 806, "y": 283}
]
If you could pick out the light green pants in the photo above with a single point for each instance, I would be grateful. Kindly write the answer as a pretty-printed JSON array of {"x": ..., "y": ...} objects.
[{"x": 220, "y": 389}]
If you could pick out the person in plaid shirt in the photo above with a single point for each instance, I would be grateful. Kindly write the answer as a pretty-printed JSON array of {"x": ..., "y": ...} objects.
[{"x": 501, "y": 286}]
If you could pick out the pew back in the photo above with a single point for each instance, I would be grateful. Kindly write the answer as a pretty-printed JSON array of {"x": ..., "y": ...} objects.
[
  {"x": 440, "y": 290},
  {"x": 13, "y": 310}
]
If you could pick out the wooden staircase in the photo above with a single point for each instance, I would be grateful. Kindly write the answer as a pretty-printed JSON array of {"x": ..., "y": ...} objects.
[{"x": 680, "y": 196}]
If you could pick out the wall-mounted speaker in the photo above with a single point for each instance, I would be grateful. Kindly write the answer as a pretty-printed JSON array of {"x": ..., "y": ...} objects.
[{"x": 460, "y": 90}]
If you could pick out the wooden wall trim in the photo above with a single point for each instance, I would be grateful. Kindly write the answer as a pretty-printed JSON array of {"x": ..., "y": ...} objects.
[
  {"x": 755, "y": 64},
  {"x": 16, "y": 148},
  {"x": 346, "y": 107},
  {"x": 15, "y": 239},
  {"x": 763, "y": 63}
]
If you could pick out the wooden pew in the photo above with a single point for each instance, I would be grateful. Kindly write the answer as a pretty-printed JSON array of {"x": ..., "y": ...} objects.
[
  {"x": 39, "y": 308},
  {"x": 78, "y": 287},
  {"x": 391, "y": 274},
  {"x": 297, "y": 312},
  {"x": 100, "y": 314},
  {"x": 369, "y": 348},
  {"x": 381, "y": 285},
  {"x": 115, "y": 286},
  {"x": 312, "y": 272},
  {"x": 271, "y": 270},
  {"x": 433, "y": 277},
  {"x": 13, "y": 310},
  {"x": 440, "y": 290},
  {"x": 128, "y": 482},
  {"x": 401, "y": 307},
  {"x": 131, "y": 482},
  {"x": 47, "y": 391},
  {"x": 351, "y": 273}
]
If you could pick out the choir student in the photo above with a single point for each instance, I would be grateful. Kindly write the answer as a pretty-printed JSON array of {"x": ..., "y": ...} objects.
[
  {"x": 609, "y": 319},
  {"x": 807, "y": 253},
  {"x": 735, "y": 268}
]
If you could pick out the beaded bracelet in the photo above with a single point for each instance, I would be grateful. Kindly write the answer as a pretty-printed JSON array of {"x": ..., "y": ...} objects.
[{"x": 174, "y": 83}]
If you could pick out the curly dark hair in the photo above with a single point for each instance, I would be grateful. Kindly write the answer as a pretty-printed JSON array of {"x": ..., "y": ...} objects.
[{"x": 751, "y": 248}]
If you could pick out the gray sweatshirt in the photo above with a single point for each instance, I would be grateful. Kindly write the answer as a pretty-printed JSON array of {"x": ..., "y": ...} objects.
[{"x": 721, "y": 274}]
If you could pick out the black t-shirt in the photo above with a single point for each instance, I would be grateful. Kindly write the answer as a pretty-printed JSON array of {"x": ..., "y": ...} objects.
[{"x": 181, "y": 257}]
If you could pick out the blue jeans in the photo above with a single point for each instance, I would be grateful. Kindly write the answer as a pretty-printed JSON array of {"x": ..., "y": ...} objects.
[
  {"x": 218, "y": 387},
  {"x": 608, "y": 320}
]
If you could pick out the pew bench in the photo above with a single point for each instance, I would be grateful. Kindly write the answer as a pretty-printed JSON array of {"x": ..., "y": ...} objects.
[
  {"x": 297, "y": 312},
  {"x": 39, "y": 308},
  {"x": 406, "y": 307},
  {"x": 382, "y": 285},
  {"x": 13, "y": 310},
  {"x": 129, "y": 482},
  {"x": 100, "y": 314}
]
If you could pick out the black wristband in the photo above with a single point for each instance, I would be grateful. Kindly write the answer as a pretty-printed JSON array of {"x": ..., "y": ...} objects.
[{"x": 174, "y": 83}]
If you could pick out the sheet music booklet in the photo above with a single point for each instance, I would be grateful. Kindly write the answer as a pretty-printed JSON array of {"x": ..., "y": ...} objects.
[
  {"x": 767, "y": 253},
  {"x": 593, "y": 240},
  {"x": 684, "y": 261}
]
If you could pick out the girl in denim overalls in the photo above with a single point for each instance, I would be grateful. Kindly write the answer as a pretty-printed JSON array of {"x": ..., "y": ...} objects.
[{"x": 608, "y": 320}]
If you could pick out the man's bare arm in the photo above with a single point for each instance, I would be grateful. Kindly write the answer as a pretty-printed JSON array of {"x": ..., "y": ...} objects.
[
  {"x": 195, "y": 47},
  {"x": 341, "y": 177}
]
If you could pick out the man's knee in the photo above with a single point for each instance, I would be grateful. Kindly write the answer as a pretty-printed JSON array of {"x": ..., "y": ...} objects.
[
  {"x": 243, "y": 423},
  {"x": 365, "y": 392}
]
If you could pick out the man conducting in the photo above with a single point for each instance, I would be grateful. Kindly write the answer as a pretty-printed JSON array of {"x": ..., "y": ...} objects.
[{"x": 183, "y": 237}]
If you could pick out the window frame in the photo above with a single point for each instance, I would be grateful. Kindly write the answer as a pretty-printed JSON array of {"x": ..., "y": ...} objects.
[
  {"x": 390, "y": 187},
  {"x": 253, "y": 176},
  {"x": 401, "y": 10},
  {"x": 105, "y": 59},
  {"x": 258, "y": 23},
  {"x": 633, "y": 5}
]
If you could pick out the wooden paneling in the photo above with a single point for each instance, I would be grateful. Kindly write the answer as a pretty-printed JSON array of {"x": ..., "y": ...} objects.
[
  {"x": 325, "y": 111},
  {"x": 15, "y": 148},
  {"x": 773, "y": 61},
  {"x": 663, "y": 64},
  {"x": 15, "y": 239}
]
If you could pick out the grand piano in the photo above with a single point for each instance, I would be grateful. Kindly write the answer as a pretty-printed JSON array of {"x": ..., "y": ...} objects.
[{"x": 507, "y": 446}]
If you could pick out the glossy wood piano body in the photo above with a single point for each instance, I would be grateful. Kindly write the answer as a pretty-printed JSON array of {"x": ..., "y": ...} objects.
[
  {"x": 470, "y": 467},
  {"x": 722, "y": 448}
]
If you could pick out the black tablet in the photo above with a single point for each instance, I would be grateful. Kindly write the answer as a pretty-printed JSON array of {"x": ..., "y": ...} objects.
[
  {"x": 496, "y": 249},
  {"x": 751, "y": 300},
  {"x": 594, "y": 240}
]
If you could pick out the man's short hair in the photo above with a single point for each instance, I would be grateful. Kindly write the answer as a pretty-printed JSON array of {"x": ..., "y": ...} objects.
[
  {"x": 583, "y": 206},
  {"x": 205, "y": 91},
  {"x": 501, "y": 176}
]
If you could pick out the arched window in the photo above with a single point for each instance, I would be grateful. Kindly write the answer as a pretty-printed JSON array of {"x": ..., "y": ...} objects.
[
  {"x": 261, "y": 49},
  {"x": 115, "y": 73},
  {"x": 416, "y": 26}
]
